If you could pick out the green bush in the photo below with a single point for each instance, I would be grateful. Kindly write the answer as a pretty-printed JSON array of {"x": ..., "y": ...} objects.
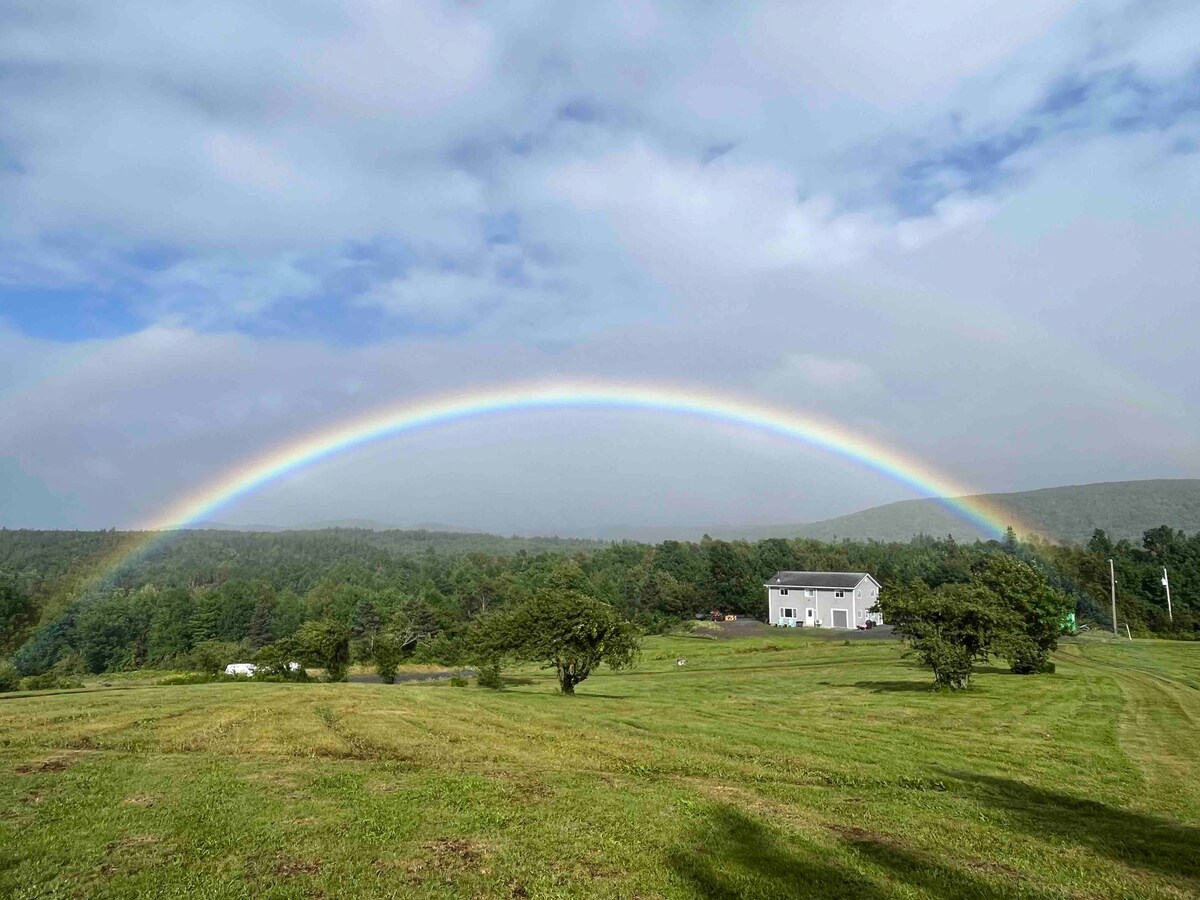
[
  {"x": 10, "y": 680},
  {"x": 488, "y": 676},
  {"x": 214, "y": 656},
  {"x": 196, "y": 678},
  {"x": 71, "y": 663},
  {"x": 458, "y": 681},
  {"x": 386, "y": 652},
  {"x": 274, "y": 662},
  {"x": 49, "y": 681}
]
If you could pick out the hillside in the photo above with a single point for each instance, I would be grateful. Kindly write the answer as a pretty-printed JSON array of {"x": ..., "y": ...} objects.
[{"x": 1124, "y": 509}]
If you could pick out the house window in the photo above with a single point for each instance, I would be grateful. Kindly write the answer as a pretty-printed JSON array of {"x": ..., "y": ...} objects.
[
  {"x": 787, "y": 613},
  {"x": 808, "y": 592},
  {"x": 839, "y": 593},
  {"x": 858, "y": 594},
  {"x": 783, "y": 591}
]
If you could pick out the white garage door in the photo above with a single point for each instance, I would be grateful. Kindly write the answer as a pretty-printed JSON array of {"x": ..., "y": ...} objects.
[{"x": 841, "y": 618}]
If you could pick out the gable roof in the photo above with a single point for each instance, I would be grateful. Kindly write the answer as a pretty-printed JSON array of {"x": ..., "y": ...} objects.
[{"x": 841, "y": 580}]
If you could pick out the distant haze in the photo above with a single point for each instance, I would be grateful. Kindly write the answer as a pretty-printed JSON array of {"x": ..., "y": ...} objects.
[{"x": 1071, "y": 513}]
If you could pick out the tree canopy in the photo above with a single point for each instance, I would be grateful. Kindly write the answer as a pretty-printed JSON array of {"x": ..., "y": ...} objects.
[
  {"x": 565, "y": 630},
  {"x": 247, "y": 591}
]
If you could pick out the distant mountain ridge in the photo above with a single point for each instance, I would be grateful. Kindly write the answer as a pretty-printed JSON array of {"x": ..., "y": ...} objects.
[{"x": 1124, "y": 509}]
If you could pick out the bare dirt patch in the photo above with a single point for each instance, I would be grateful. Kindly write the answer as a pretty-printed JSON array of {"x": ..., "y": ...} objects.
[
  {"x": 132, "y": 841},
  {"x": 448, "y": 857},
  {"x": 289, "y": 867},
  {"x": 858, "y": 835},
  {"x": 143, "y": 800},
  {"x": 53, "y": 764},
  {"x": 133, "y": 853},
  {"x": 995, "y": 868},
  {"x": 456, "y": 850}
]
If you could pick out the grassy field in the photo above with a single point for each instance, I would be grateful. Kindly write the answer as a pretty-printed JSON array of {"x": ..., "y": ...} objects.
[{"x": 766, "y": 767}]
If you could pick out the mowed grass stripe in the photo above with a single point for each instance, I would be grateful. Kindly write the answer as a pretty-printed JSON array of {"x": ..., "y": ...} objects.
[{"x": 765, "y": 767}]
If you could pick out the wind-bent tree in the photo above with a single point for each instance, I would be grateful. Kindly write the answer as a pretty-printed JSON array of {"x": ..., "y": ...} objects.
[
  {"x": 949, "y": 629},
  {"x": 569, "y": 632},
  {"x": 324, "y": 644}
]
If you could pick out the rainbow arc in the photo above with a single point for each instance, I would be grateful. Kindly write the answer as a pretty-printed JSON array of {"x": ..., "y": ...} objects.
[{"x": 410, "y": 416}]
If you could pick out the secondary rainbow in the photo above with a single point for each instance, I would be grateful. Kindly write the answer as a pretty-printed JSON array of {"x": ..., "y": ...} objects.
[{"x": 408, "y": 416}]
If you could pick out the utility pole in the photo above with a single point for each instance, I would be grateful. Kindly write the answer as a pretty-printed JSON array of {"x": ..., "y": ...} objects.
[
  {"x": 1113, "y": 578},
  {"x": 1167, "y": 584}
]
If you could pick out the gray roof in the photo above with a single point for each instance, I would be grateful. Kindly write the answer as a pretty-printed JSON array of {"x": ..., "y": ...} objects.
[{"x": 817, "y": 579}]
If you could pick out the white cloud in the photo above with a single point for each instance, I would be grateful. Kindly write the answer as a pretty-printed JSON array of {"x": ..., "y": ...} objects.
[
  {"x": 436, "y": 297},
  {"x": 891, "y": 52},
  {"x": 681, "y": 217}
]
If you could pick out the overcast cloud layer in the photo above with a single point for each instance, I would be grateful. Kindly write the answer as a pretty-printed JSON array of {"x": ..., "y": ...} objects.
[{"x": 968, "y": 230}]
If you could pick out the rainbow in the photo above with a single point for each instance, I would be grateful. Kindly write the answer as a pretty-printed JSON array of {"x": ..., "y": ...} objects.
[{"x": 409, "y": 416}]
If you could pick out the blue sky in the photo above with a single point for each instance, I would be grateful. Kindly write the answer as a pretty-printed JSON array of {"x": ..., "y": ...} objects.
[{"x": 968, "y": 230}]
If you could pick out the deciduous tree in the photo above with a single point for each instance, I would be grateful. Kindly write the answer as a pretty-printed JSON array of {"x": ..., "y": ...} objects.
[
  {"x": 949, "y": 629},
  {"x": 1038, "y": 611},
  {"x": 324, "y": 644},
  {"x": 569, "y": 632}
]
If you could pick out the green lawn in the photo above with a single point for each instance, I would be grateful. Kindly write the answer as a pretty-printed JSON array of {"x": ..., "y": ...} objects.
[{"x": 767, "y": 767}]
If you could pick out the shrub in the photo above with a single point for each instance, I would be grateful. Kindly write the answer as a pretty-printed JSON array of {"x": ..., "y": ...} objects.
[
  {"x": 458, "y": 681},
  {"x": 214, "y": 656},
  {"x": 274, "y": 663},
  {"x": 71, "y": 663},
  {"x": 49, "y": 681},
  {"x": 10, "y": 680},
  {"x": 196, "y": 678},
  {"x": 488, "y": 676},
  {"x": 386, "y": 652}
]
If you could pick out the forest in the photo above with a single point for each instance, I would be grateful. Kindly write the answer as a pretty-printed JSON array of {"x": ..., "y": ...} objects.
[{"x": 226, "y": 592}]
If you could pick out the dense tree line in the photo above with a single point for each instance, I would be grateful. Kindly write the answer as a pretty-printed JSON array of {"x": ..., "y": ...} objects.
[{"x": 240, "y": 592}]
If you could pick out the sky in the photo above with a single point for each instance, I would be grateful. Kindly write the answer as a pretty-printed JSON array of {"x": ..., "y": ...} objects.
[{"x": 965, "y": 230}]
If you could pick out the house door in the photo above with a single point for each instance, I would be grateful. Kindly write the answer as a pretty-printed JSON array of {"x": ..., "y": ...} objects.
[
  {"x": 810, "y": 618},
  {"x": 841, "y": 618}
]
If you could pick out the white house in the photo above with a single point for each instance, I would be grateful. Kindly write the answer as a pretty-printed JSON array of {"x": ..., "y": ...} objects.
[{"x": 822, "y": 599}]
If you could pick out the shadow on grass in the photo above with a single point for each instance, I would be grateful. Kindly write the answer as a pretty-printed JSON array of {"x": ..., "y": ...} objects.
[
  {"x": 1134, "y": 839},
  {"x": 896, "y": 687},
  {"x": 935, "y": 879},
  {"x": 734, "y": 855}
]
